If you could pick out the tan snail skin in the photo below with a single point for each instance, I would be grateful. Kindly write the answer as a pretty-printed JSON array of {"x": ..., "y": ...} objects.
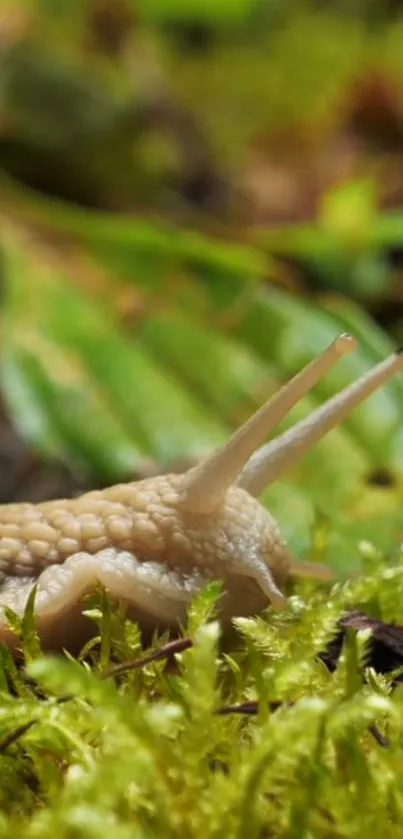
[{"x": 156, "y": 542}]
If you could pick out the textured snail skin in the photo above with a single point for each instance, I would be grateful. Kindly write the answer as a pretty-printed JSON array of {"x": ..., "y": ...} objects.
[
  {"x": 136, "y": 540},
  {"x": 155, "y": 543}
]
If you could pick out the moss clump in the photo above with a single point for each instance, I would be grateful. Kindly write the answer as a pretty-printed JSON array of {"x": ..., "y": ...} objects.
[{"x": 93, "y": 748}]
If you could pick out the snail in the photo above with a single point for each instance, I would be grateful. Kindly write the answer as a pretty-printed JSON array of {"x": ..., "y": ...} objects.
[{"x": 156, "y": 542}]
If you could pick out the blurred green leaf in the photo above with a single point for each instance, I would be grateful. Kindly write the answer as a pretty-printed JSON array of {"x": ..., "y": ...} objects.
[
  {"x": 348, "y": 211},
  {"x": 127, "y": 385},
  {"x": 199, "y": 11}
]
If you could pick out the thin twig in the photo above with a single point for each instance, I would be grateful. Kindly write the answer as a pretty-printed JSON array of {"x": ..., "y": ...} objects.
[
  {"x": 11, "y": 738},
  {"x": 380, "y": 738},
  {"x": 171, "y": 648},
  {"x": 252, "y": 709},
  {"x": 249, "y": 708},
  {"x": 167, "y": 650}
]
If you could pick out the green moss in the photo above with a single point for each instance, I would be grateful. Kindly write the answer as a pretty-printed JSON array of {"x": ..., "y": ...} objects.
[{"x": 146, "y": 753}]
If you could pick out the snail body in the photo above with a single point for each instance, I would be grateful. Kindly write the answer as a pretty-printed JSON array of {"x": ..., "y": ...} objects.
[{"x": 156, "y": 542}]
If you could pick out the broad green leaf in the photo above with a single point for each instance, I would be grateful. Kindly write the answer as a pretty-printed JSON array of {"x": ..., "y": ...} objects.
[
  {"x": 132, "y": 384},
  {"x": 229, "y": 375}
]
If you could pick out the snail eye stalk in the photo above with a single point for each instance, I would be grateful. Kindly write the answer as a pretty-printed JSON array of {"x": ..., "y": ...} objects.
[
  {"x": 205, "y": 486},
  {"x": 267, "y": 464}
]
